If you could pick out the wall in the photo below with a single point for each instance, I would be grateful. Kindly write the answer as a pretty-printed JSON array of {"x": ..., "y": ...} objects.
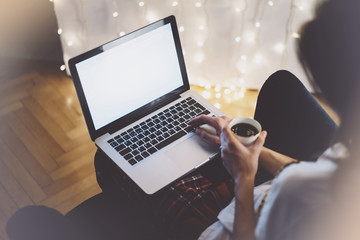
[
  {"x": 28, "y": 30},
  {"x": 227, "y": 42}
]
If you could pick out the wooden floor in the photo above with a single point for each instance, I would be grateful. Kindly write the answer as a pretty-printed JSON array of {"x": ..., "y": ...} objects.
[{"x": 46, "y": 155}]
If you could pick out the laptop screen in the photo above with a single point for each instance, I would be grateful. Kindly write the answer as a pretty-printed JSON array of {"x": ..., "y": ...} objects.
[{"x": 129, "y": 75}]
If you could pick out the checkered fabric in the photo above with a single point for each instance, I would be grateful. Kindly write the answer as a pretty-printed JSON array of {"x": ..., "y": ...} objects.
[{"x": 193, "y": 203}]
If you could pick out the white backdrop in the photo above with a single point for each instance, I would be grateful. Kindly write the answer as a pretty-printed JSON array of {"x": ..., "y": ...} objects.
[{"x": 226, "y": 43}]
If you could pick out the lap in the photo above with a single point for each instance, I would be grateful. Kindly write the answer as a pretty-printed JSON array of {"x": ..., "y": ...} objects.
[{"x": 184, "y": 209}]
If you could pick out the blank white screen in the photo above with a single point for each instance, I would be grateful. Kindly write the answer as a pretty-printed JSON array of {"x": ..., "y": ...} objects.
[{"x": 126, "y": 77}]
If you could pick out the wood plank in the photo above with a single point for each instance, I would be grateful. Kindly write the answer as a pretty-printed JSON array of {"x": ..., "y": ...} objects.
[
  {"x": 19, "y": 81},
  {"x": 8, "y": 91},
  {"x": 73, "y": 166},
  {"x": 13, "y": 188},
  {"x": 45, "y": 99},
  {"x": 65, "y": 95},
  {"x": 80, "y": 140},
  {"x": 23, "y": 176},
  {"x": 3, "y": 222},
  {"x": 73, "y": 202},
  {"x": 10, "y": 108},
  {"x": 76, "y": 153},
  {"x": 26, "y": 158},
  {"x": 9, "y": 98},
  {"x": 65, "y": 182},
  {"x": 46, "y": 121},
  {"x": 39, "y": 132},
  {"x": 78, "y": 131},
  {"x": 70, "y": 192},
  {"x": 37, "y": 150},
  {"x": 7, "y": 205}
]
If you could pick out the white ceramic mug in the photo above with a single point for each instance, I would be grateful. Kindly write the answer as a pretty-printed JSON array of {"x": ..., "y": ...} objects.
[{"x": 246, "y": 140}]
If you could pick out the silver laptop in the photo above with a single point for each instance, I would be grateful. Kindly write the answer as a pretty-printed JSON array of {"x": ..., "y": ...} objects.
[{"x": 136, "y": 100}]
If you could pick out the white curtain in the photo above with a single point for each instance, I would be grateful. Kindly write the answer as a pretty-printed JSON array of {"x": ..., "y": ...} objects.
[{"x": 226, "y": 43}]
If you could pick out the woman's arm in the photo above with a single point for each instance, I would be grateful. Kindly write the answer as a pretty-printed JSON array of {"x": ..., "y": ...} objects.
[
  {"x": 273, "y": 161},
  {"x": 242, "y": 162},
  {"x": 244, "y": 219}
]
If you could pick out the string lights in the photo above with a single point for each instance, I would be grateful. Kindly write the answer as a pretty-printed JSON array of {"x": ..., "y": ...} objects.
[{"x": 225, "y": 43}]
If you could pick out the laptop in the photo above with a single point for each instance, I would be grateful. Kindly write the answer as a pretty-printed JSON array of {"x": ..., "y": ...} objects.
[{"x": 136, "y": 99}]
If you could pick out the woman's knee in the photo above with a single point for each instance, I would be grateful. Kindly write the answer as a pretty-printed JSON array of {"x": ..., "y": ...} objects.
[
  {"x": 279, "y": 83},
  {"x": 282, "y": 80}
]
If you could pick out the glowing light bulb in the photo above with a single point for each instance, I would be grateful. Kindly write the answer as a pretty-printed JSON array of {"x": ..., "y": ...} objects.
[
  {"x": 251, "y": 37},
  {"x": 174, "y": 4},
  {"x": 199, "y": 57},
  {"x": 59, "y": 31},
  {"x": 141, "y": 4},
  {"x": 295, "y": 35},
  {"x": 270, "y": 3},
  {"x": 181, "y": 29},
  {"x": 257, "y": 24},
  {"x": 206, "y": 94},
  {"x": 115, "y": 14},
  {"x": 217, "y": 88},
  {"x": 237, "y": 39},
  {"x": 229, "y": 99},
  {"x": 198, "y": 4},
  {"x": 62, "y": 67},
  {"x": 237, "y": 10},
  {"x": 279, "y": 47},
  {"x": 258, "y": 58},
  {"x": 69, "y": 101},
  {"x": 69, "y": 43},
  {"x": 122, "y": 34},
  {"x": 151, "y": 17}
]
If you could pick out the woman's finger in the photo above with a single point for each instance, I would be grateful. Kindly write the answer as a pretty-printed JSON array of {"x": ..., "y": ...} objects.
[
  {"x": 215, "y": 122},
  {"x": 200, "y": 120},
  {"x": 260, "y": 141},
  {"x": 208, "y": 136},
  {"x": 228, "y": 138}
]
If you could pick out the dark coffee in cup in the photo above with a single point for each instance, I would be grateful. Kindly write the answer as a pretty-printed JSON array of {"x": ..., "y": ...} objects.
[{"x": 244, "y": 130}]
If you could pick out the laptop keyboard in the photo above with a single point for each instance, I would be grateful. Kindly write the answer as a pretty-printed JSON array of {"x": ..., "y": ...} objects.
[{"x": 153, "y": 134}]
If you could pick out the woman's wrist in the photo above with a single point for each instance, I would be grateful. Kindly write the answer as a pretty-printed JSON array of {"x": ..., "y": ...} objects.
[
  {"x": 242, "y": 185},
  {"x": 245, "y": 179}
]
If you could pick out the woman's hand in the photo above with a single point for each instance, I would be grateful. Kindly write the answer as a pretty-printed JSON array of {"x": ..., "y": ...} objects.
[
  {"x": 215, "y": 122},
  {"x": 240, "y": 161}
]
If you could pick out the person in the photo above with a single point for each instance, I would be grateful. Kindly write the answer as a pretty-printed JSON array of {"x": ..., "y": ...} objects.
[
  {"x": 302, "y": 149},
  {"x": 302, "y": 197},
  {"x": 298, "y": 180}
]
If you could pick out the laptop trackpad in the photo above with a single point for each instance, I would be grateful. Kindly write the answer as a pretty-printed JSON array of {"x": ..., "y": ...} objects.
[{"x": 190, "y": 153}]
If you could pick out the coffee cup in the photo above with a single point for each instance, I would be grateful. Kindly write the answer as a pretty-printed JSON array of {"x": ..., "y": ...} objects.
[{"x": 246, "y": 130}]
